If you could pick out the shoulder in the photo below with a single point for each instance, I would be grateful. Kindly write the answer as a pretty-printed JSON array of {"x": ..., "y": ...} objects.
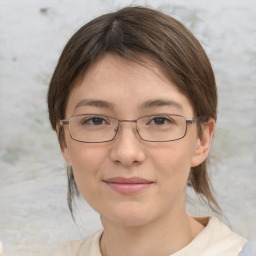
[
  {"x": 225, "y": 239},
  {"x": 69, "y": 249},
  {"x": 1, "y": 249},
  {"x": 89, "y": 246},
  {"x": 219, "y": 231},
  {"x": 215, "y": 239},
  {"x": 249, "y": 249}
]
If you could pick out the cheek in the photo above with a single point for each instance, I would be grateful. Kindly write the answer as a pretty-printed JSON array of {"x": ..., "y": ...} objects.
[
  {"x": 87, "y": 161},
  {"x": 173, "y": 163},
  {"x": 85, "y": 156}
]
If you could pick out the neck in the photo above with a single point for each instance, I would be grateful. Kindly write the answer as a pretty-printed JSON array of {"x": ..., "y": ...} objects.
[{"x": 161, "y": 237}]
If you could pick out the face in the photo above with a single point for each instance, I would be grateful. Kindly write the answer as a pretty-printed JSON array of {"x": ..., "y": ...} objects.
[{"x": 130, "y": 181}]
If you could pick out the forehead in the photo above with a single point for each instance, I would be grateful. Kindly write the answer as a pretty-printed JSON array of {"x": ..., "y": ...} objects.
[{"x": 122, "y": 83}]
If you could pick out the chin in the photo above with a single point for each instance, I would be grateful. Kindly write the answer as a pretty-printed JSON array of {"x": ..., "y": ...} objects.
[{"x": 129, "y": 216}]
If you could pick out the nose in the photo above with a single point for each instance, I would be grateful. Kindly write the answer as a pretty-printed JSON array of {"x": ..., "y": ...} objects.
[{"x": 127, "y": 148}]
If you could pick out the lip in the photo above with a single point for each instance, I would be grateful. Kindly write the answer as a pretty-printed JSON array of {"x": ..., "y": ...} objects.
[{"x": 128, "y": 186}]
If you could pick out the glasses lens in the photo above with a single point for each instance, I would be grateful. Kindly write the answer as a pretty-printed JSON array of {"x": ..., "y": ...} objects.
[
  {"x": 162, "y": 127},
  {"x": 92, "y": 128}
]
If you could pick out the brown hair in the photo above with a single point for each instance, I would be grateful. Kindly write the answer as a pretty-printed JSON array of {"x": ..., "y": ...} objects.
[{"x": 131, "y": 33}]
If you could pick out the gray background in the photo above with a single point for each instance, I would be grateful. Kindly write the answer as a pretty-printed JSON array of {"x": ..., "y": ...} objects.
[{"x": 34, "y": 218}]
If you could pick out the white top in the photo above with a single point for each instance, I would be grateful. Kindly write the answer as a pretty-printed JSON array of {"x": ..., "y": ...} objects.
[
  {"x": 216, "y": 239},
  {"x": 1, "y": 249}
]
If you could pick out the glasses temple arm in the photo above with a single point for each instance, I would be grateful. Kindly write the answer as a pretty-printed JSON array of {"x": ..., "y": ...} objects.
[{"x": 64, "y": 122}]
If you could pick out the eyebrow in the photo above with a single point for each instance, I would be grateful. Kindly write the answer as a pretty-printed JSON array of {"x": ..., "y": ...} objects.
[
  {"x": 95, "y": 103},
  {"x": 161, "y": 103},
  {"x": 146, "y": 105}
]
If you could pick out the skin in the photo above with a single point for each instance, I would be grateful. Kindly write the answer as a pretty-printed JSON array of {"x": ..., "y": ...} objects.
[{"x": 153, "y": 221}]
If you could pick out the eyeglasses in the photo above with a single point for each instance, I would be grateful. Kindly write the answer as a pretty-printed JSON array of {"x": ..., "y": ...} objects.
[{"x": 92, "y": 128}]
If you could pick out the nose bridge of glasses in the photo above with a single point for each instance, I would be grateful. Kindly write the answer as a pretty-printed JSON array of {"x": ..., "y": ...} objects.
[{"x": 125, "y": 121}]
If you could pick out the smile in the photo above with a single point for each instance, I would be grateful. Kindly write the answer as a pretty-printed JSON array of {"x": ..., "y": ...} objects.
[{"x": 128, "y": 186}]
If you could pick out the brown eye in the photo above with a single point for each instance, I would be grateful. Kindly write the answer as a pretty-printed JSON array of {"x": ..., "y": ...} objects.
[
  {"x": 159, "y": 120},
  {"x": 97, "y": 120},
  {"x": 94, "y": 121}
]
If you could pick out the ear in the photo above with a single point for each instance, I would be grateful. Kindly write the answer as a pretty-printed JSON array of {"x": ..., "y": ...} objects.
[
  {"x": 63, "y": 146},
  {"x": 203, "y": 143}
]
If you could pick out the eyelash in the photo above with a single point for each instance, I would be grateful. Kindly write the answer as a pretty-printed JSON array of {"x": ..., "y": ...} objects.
[{"x": 91, "y": 119}]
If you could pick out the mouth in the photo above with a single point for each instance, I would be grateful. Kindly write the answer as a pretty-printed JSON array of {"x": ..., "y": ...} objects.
[{"x": 128, "y": 186}]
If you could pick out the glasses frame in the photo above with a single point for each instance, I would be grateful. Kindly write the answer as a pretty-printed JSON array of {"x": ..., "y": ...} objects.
[{"x": 67, "y": 122}]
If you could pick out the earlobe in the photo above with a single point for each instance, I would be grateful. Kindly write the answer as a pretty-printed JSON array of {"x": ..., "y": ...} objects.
[{"x": 203, "y": 144}]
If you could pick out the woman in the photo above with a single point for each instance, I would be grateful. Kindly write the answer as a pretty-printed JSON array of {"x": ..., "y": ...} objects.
[{"x": 133, "y": 101}]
